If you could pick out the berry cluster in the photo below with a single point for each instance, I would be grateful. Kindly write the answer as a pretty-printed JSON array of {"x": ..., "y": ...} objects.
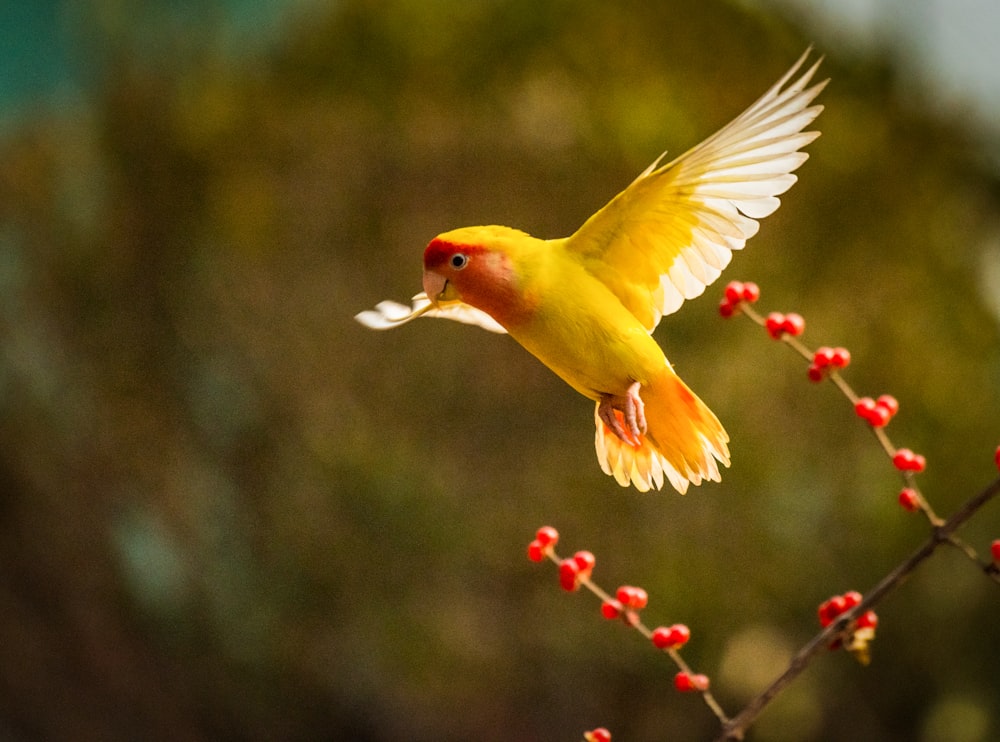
[
  {"x": 779, "y": 325},
  {"x": 631, "y": 597},
  {"x": 626, "y": 604},
  {"x": 575, "y": 570},
  {"x": 878, "y": 412},
  {"x": 670, "y": 637},
  {"x": 827, "y": 359},
  {"x": 831, "y": 609},
  {"x": 736, "y": 294},
  {"x": 543, "y": 543},
  {"x": 860, "y": 632},
  {"x": 685, "y": 682},
  {"x": 905, "y": 460}
]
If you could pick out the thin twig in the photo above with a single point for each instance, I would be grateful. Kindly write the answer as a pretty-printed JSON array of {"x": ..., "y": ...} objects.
[{"x": 632, "y": 619}]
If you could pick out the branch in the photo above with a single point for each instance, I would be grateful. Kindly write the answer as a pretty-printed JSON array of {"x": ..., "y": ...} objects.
[{"x": 736, "y": 727}]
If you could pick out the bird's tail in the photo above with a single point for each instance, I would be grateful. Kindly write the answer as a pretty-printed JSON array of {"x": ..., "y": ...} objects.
[{"x": 683, "y": 443}]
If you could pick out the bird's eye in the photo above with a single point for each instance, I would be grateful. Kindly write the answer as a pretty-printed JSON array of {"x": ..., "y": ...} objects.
[{"x": 459, "y": 261}]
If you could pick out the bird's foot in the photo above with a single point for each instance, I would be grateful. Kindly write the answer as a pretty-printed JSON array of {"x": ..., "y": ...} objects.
[{"x": 624, "y": 414}]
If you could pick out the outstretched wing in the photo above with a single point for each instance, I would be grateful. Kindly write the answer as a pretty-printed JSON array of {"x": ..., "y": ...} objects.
[
  {"x": 388, "y": 314},
  {"x": 671, "y": 232}
]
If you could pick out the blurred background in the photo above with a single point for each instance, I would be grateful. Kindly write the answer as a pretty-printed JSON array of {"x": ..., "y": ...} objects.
[{"x": 229, "y": 512}]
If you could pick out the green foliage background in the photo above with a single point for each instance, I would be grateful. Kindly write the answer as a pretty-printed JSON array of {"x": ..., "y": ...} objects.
[{"x": 230, "y": 512}]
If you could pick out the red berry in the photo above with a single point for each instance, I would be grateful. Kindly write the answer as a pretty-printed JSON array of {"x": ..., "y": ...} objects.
[
  {"x": 867, "y": 620},
  {"x": 996, "y": 457},
  {"x": 815, "y": 372},
  {"x": 823, "y": 357},
  {"x": 905, "y": 460},
  {"x": 841, "y": 358},
  {"x": 826, "y": 614},
  {"x": 794, "y": 324},
  {"x": 597, "y": 735},
  {"x": 995, "y": 550},
  {"x": 830, "y": 609},
  {"x": 774, "y": 324},
  {"x": 837, "y": 605},
  {"x": 734, "y": 292},
  {"x": 585, "y": 561},
  {"x": 909, "y": 499},
  {"x": 726, "y": 308},
  {"x": 879, "y": 416},
  {"x": 751, "y": 292},
  {"x": 822, "y": 612},
  {"x": 547, "y": 536},
  {"x": 864, "y": 408},
  {"x": 681, "y": 634},
  {"x": 569, "y": 573},
  {"x": 683, "y": 682},
  {"x": 851, "y": 599},
  {"x": 536, "y": 552},
  {"x": 686, "y": 682},
  {"x": 611, "y": 609},
  {"x": 778, "y": 324},
  {"x": 888, "y": 402},
  {"x": 661, "y": 637}
]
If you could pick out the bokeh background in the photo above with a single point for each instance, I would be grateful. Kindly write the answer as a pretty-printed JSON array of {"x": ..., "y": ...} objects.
[{"x": 229, "y": 512}]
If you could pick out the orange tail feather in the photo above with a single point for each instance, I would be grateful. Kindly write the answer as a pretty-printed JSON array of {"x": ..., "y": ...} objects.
[{"x": 683, "y": 442}]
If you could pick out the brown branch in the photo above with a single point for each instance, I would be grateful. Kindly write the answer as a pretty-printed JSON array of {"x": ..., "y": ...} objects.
[{"x": 737, "y": 726}]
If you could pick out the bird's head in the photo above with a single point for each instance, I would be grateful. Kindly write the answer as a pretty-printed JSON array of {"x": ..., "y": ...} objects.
[{"x": 477, "y": 266}]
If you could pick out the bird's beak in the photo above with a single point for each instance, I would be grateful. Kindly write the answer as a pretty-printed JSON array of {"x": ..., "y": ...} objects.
[{"x": 434, "y": 286}]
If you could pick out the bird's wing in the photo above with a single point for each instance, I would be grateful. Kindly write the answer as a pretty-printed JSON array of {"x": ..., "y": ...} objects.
[
  {"x": 671, "y": 232},
  {"x": 388, "y": 314}
]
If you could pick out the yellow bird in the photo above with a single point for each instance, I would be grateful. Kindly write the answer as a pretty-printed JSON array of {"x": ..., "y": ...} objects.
[{"x": 586, "y": 305}]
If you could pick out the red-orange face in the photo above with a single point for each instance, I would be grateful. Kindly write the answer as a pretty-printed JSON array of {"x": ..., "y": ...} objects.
[
  {"x": 444, "y": 264},
  {"x": 474, "y": 274}
]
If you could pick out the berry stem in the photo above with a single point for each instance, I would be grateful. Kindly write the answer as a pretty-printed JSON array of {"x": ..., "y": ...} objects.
[
  {"x": 880, "y": 435},
  {"x": 909, "y": 480},
  {"x": 604, "y": 597}
]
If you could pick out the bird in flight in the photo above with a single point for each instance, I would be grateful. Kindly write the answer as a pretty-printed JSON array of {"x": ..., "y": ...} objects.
[{"x": 586, "y": 305}]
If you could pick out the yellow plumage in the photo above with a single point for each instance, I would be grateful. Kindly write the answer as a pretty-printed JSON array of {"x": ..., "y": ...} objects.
[{"x": 586, "y": 305}]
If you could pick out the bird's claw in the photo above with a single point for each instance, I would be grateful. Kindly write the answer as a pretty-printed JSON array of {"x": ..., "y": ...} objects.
[{"x": 630, "y": 423}]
